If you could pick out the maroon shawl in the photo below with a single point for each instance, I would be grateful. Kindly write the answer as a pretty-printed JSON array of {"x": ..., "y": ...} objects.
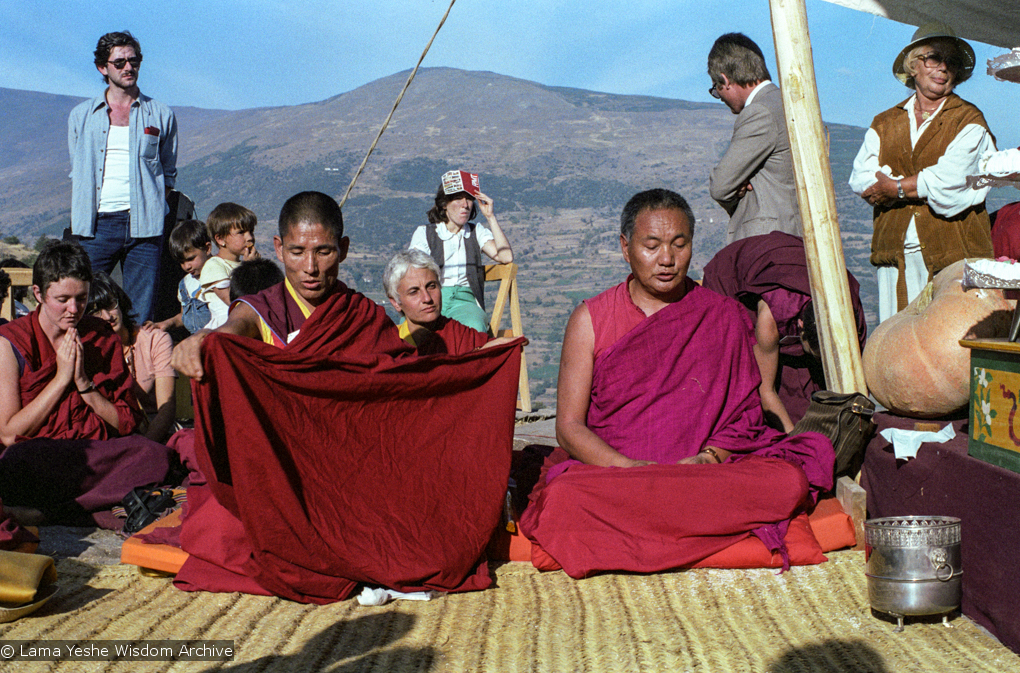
[
  {"x": 104, "y": 364},
  {"x": 449, "y": 337},
  {"x": 340, "y": 463}
]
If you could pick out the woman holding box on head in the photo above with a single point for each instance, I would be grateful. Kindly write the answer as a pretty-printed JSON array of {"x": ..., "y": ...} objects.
[{"x": 455, "y": 242}]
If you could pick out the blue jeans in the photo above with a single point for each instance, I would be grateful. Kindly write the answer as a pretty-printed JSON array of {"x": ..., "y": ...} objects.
[{"x": 138, "y": 258}]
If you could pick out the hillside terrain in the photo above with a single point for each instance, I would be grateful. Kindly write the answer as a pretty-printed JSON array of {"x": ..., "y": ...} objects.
[{"x": 559, "y": 163}]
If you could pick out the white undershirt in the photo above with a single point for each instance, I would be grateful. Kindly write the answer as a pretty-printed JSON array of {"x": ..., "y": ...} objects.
[{"x": 115, "y": 194}]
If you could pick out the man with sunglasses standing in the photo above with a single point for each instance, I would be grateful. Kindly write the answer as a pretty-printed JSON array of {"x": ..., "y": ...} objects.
[
  {"x": 123, "y": 148},
  {"x": 754, "y": 180}
]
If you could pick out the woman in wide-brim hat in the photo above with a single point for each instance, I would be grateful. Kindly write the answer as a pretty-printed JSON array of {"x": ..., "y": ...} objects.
[{"x": 913, "y": 169}]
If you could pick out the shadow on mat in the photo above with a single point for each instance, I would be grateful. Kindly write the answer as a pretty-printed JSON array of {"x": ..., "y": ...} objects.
[
  {"x": 360, "y": 644},
  {"x": 836, "y": 656}
]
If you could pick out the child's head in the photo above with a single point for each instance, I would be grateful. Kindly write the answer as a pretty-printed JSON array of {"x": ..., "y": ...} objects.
[
  {"x": 232, "y": 227},
  {"x": 190, "y": 246},
  {"x": 254, "y": 276}
]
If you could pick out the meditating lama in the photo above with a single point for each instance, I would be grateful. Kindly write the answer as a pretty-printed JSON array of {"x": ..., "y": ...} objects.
[{"x": 670, "y": 459}]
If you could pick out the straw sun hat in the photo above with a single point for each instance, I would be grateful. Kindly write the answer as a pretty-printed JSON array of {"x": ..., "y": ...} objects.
[{"x": 931, "y": 31}]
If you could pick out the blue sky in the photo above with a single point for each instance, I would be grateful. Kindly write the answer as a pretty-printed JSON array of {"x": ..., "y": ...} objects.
[{"x": 234, "y": 54}]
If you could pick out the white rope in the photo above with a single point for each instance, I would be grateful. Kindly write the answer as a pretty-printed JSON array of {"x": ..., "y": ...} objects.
[{"x": 395, "y": 104}]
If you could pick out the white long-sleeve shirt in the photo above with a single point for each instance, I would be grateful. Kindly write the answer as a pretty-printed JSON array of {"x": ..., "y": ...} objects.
[{"x": 943, "y": 185}]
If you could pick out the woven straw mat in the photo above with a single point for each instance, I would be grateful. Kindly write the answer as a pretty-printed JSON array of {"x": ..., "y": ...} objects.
[{"x": 809, "y": 619}]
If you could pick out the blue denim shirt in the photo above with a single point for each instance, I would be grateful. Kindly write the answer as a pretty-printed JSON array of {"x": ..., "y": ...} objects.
[{"x": 152, "y": 133}]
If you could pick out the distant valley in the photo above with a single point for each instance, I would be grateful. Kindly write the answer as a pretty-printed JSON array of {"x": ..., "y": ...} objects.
[{"x": 559, "y": 164}]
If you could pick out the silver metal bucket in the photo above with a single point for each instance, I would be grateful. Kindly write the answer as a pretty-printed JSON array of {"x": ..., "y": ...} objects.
[{"x": 914, "y": 565}]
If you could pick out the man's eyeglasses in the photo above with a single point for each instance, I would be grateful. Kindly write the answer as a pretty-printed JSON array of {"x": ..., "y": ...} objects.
[
  {"x": 935, "y": 59},
  {"x": 121, "y": 62},
  {"x": 714, "y": 93}
]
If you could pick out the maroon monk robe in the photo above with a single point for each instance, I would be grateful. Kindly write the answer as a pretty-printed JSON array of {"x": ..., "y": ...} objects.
[
  {"x": 76, "y": 463},
  {"x": 681, "y": 379},
  {"x": 773, "y": 267},
  {"x": 345, "y": 464}
]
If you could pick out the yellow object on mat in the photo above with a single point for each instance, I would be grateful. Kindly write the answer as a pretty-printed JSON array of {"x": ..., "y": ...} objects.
[{"x": 24, "y": 578}]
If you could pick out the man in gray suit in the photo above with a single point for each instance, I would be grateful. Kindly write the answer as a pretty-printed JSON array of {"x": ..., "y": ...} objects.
[{"x": 754, "y": 180}]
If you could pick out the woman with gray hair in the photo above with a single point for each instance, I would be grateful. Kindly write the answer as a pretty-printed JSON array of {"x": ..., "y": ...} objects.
[
  {"x": 411, "y": 280},
  {"x": 913, "y": 169}
]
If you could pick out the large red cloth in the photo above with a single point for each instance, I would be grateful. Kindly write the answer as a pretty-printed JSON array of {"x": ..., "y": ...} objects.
[
  {"x": 76, "y": 464},
  {"x": 345, "y": 460},
  {"x": 681, "y": 379},
  {"x": 773, "y": 267}
]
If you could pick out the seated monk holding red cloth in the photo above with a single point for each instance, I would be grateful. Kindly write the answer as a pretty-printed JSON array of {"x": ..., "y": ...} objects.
[
  {"x": 411, "y": 281},
  {"x": 307, "y": 428},
  {"x": 66, "y": 407},
  {"x": 768, "y": 275},
  {"x": 658, "y": 407}
]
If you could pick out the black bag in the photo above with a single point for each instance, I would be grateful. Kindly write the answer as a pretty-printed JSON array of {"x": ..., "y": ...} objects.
[
  {"x": 845, "y": 418},
  {"x": 145, "y": 504}
]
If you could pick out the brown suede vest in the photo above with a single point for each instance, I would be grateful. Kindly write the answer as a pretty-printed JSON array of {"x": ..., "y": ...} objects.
[{"x": 943, "y": 240}]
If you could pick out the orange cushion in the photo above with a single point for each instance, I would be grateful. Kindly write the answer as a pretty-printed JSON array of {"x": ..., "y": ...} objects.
[
  {"x": 506, "y": 546},
  {"x": 160, "y": 557},
  {"x": 747, "y": 553},
  {"x": 751, "y": 552},
  {"x": 833, "y": 528}
]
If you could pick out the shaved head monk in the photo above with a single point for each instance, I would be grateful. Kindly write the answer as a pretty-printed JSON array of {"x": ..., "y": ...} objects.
[
  {"x": 311, "y": 245},
  {"x": 667, "y": 457}
]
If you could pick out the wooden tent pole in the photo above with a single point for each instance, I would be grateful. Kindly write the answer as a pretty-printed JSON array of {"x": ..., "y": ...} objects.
[{"x": 837, "y": 331}]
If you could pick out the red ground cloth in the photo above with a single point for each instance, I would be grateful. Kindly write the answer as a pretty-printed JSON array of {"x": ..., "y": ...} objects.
[{"x": 344, "y": 466}]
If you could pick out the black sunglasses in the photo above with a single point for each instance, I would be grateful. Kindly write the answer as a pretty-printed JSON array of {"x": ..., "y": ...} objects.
[{"x": 121, "y": 62}]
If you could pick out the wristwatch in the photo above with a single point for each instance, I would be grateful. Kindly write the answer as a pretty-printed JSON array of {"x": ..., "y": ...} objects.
[
  {"x": 88, "y": 389},
  {"x": 899, "y": 189}
]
